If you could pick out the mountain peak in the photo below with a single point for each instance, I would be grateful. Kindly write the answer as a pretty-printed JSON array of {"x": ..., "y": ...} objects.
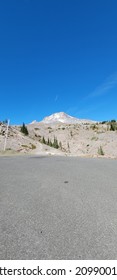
[{"x": 62, "y": 118}]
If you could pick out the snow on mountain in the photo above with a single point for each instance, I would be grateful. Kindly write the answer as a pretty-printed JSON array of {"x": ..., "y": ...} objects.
[{"x": 63, "y": 118}]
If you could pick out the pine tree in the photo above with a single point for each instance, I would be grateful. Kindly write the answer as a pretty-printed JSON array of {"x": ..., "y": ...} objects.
[
  {"x": 24, "y": 129},
  {"x": 55, "y": 143},
  {"x": 50, "y": 144},
  {"x": 43, "y": 140},
  {"x": 60, "y": 145},
  {"x": 68, "y": 146}
]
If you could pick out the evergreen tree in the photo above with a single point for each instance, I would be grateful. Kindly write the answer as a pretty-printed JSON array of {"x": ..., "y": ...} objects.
[
  {"x": 68, "y": 146},
  {"x": 50, "y": 144},
  {"x": 24, "y": 129},
  {"x": 43, "y": 140},
  {"x": 5, "y": 121},
  {"x": 60, "y": 145},
  {"x": 55, "y": 143}
]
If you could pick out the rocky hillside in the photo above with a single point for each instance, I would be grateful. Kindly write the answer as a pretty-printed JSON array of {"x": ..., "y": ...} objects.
[
  {"x": 19, "y": 143},
  {"x": 79, "y": 139},
  {"x": 73, "y": 139}
]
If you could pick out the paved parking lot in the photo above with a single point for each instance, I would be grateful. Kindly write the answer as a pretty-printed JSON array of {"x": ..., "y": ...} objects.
[{"x": 58, "y": 208}]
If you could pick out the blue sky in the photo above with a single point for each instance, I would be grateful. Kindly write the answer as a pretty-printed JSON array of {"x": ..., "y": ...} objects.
[{"x": 58, "y": 56}]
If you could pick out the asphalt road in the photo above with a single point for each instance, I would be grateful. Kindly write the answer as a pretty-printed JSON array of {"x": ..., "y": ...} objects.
[{"x": 58, "y": 208}]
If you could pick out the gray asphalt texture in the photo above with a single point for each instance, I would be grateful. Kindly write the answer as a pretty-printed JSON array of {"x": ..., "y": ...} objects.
[{"x": 58, "y": 208}]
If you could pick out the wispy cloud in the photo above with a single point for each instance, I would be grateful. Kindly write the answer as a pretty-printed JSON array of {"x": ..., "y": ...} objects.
[
  {"x": 56, "y": 98},
  {"x": 104, "y": 88}
]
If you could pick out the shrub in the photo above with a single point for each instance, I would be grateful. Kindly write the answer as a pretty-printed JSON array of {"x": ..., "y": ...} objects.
[
  {"x": 100, "y": 151},
  {"x": 33, "y": 146},
  {"x": 36, "y": 128},
  {"x": 113, "y": 126},
  {"x": 103, "y": 122},
  {"x": 25, "y": 146},
  {"x": 71, "y": 133},
  {"x": 113, "y": 121},
  {"x": 94, "y": 138},
  {"x": 5, "y": 121},
  {"x": 94, "y": 126}
]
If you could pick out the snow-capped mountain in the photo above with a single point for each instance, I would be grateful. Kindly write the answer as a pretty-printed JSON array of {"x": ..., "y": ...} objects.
[{"x": 63, "y": 118}]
